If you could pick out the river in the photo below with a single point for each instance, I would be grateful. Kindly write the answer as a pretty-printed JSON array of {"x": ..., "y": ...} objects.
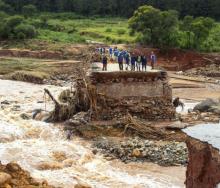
[{"x": 43, "y": 150}]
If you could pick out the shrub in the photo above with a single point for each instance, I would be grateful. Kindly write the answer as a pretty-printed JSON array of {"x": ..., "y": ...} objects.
[
  {"x": 29, "y": 10},
  {"x": 121, "y": 31},
  {"x": 108, "y": 39},
  {"x": 44, "y": 20},
  {"x": 20, "y": 36},
  {"x": 14, "y": 21},
  {"x": 108, "y": 30},
  {"x": 119, "y": 41},
  {"x": 28, "y": 31},
  {"x": 3, "y": 15}
]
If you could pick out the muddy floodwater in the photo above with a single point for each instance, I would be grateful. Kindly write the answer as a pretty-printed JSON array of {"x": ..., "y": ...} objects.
[{"x": 44, "y": 151}]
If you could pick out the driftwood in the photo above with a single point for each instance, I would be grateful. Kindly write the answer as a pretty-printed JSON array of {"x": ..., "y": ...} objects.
[
  {"x": 62, "y": 111},
  {"x": 51, "y": 96},
  {"x": 207, "y": 59},
  {"x": 144, "y": 129}
]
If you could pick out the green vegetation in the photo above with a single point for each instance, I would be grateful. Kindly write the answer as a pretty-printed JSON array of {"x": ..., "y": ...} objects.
[
  {"x": 12, "y": 65},
  {"x": 23, "y": 23},
  {"x": 65, "y": 28},
  {"x": 164, "y": 29},
  {"x": 115, "y": 8}
]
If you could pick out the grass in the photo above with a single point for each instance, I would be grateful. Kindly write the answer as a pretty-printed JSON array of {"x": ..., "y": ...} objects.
[
  {"x": 60, "y": 32},
  {"x": 34, "y": 66},
  {"x": 106, "y": 30}
]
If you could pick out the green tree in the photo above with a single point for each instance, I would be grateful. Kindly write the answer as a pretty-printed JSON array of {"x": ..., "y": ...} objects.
[
  {"x": 29, "y": 10},
  {"x": 145, "y": 21},
  {"x": 201, "y": 28},
  {"x": 186, "y": 26},
  {"x": 155, "y": 26},
  {"x": 5, "y": 7}
]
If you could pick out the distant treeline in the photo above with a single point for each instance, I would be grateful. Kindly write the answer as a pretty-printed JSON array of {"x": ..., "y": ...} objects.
[{"x": 124, "y": 8}]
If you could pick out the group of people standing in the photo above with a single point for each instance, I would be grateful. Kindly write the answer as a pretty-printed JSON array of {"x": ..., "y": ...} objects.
[{"x": 136, "y": 62}]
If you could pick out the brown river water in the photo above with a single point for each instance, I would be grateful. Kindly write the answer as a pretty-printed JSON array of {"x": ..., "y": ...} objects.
[{"x": 44, "y": 151}]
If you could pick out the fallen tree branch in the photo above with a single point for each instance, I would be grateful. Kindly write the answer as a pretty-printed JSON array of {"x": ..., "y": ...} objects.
[
  {"x": 144, "y": 129},
  {"x": 51, "y": 96}
]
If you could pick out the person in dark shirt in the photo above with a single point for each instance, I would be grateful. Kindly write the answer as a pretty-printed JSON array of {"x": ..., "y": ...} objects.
[
  {"x": 144, "y": 63},
  {"x": 133, "y": 62},
  {"x": 104, "y": 63},
  {"x": 120, "y": 62}
]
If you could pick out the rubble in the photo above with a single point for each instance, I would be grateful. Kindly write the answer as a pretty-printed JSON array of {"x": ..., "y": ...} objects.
[
  {"x": 140, "y": 150},
  {"x": 211, "y": 71},
  {"x": 198, "y": 117}
]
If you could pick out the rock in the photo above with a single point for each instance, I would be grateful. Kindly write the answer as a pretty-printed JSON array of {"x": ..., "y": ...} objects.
[
  {"x": 25, "y": 116},
  {"x": 177, "y": 125},
  {"x": 215, "y": 109},
  {"x": 4, "y": 178},
  {"x": 7, "y": 186},
  {"x": 136, "y": 153},
  {"x": 5, "y": 102},
  {"x": 137, "y": 149},
  {"x": 13, "y": 167},
  {"x": 205, "y": 106}
]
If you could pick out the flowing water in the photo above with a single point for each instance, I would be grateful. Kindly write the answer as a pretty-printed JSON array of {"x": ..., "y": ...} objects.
[{"x": 44, "y": 151}]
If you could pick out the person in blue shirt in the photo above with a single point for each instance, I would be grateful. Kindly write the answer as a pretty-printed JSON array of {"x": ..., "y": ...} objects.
[
  {"x": 116, "y": 53},
  {"x": 153, "y": 59},
  {"x": 120, "y": 61},
  {"x": 110, "y": 52}
]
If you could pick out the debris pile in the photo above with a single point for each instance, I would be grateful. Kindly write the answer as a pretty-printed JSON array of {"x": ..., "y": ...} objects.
[
  {"x": 212, "y": 70},
  {"x": 198, "y": 117},
  {"x": 140, "y": 150}
]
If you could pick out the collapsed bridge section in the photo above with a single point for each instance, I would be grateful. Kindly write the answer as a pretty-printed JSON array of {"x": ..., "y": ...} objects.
[{"x": 146, "y": 95}]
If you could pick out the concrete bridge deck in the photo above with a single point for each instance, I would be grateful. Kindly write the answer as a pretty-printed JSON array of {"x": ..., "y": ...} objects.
[{"x": 114, "y": 67}]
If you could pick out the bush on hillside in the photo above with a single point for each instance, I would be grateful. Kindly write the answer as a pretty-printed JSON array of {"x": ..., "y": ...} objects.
[
  {"x": 14, "y": 27},
  {"x": 27, "y": 30},
  {"x": 121, "y": 31},
  {"x": 29, "y": 10}
]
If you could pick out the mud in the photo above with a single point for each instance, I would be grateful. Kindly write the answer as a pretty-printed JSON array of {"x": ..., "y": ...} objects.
[{"x": 204, "y": 164}]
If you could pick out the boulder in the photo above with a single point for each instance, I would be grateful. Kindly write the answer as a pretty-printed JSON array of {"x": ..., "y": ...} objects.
[
  {"x": 215, "y": 109},
  {"x": 4, "y": 178},
  {"x": 206, "y": 105}
]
